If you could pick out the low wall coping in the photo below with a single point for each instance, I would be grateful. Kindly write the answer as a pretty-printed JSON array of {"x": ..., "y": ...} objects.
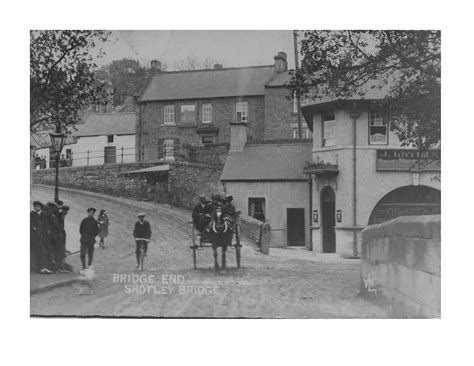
[{"x": 423, "y": 226}]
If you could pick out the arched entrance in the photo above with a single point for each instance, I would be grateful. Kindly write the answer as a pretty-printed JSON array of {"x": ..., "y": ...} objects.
[
  {"x": 407, "y": 201},
  {"x": 328, "y": 219}
]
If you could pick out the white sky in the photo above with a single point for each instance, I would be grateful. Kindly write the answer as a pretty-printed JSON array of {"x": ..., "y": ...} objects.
[{"x": 231, "y": 48}]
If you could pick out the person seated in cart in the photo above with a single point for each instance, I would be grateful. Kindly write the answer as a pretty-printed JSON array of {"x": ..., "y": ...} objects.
[
  {"x": 216, "y": 202},
  {"x": 202, "y": 214},
  {"x": 228, "y": 209}
]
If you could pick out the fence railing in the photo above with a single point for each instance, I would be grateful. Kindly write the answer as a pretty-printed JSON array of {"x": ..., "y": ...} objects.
[{"x": 108, "y": 155}]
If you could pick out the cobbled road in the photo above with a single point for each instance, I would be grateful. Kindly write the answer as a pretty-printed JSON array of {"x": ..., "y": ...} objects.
[{"x": 264, "y": 286}]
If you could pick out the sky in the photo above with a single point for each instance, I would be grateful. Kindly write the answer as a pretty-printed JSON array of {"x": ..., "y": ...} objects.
[{"x": 230, "y": 48}]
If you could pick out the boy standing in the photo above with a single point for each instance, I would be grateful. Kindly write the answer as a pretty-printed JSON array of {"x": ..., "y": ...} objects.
[
  {"x": 89, "y": 229},
  {"x": 142, "y": 235}
]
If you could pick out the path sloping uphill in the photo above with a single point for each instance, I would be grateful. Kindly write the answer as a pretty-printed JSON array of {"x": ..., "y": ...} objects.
[{"x": 265, "y": 286}]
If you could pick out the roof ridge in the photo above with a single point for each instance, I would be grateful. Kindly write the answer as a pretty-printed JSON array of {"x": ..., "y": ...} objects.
[{"x": 209, "y": 70}]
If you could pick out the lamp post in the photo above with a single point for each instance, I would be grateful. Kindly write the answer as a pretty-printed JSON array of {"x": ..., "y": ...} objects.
[{"x": 57, "y": 143}]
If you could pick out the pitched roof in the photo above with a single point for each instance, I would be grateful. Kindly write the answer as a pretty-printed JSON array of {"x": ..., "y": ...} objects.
[
  {"x": 263, "y": 162},
  {"x": 213, "y": 83},
  {"x": 101, "y": 124}
]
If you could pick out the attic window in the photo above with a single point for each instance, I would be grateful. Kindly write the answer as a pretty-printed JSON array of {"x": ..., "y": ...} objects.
[{"x": 110, "y": 138}]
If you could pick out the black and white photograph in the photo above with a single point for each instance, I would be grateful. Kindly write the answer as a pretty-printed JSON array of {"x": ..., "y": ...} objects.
[
  {"x": 246, "y": 183},
  {"x": 235, "y": 173}
]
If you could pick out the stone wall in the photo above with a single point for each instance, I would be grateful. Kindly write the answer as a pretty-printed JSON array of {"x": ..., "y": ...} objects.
[
  {"x": 279, "y": 115},
  {"x": 180, "y": 186},
  {"x": 401, "y": 265}
]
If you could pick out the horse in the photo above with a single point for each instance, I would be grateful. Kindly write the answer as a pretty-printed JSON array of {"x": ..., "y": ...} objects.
[{"x": 220, "y": 235}]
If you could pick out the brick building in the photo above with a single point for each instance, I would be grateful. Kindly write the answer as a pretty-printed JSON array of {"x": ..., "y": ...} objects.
[{"x": 198, "y": 107}]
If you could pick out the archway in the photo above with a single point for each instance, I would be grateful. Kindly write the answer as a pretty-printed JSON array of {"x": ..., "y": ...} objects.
[
  {"x": 407, "y": 201},
  {"x": 328, "y": 219}
]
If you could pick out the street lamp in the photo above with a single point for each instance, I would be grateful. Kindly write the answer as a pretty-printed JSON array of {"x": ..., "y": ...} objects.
[{"x": 57, "y": 143}]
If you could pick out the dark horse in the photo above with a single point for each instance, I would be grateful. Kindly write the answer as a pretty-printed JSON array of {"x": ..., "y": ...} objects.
[{"x": 220, "y": 235}]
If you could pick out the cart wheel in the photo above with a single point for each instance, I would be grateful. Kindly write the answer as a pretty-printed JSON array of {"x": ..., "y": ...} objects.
[
  {"x": 193, "y": 231},
  {"x": 194, "y": 257},
  {"x": 237, "y": 255},
  {"x": 237, "y": 245}
]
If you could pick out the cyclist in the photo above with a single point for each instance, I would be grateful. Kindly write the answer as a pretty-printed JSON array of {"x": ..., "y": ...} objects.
[{"x": 142, "y": 235}]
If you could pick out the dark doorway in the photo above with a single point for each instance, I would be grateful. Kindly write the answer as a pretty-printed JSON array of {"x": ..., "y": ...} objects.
[
  {"x": 328, "y": 217},
  {"x": 407, "y": 201},
  {"x": 295, "y": 226},
  {"x": 110, "y": 155}
]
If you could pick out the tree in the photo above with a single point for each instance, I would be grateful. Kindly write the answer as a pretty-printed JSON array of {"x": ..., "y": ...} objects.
[
  {"x": 405, "y": 66},
  {"x": 193, "y": 63},
  {"x": 62, "y": 81},
  {"x": 125, "y": 77}
]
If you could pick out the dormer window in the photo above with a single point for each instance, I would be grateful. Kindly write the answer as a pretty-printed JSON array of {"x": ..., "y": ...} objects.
[
  {"x": 378, "y": 128},
  {"x": 329, "y": 129}
]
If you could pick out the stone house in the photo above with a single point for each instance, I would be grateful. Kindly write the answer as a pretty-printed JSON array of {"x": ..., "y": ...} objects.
[
  {"x": 198, "y": 107},
  {"x": 354, "y": 174}
]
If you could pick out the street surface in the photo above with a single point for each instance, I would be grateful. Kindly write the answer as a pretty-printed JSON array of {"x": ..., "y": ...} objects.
[{"x": 264, "y": 287}]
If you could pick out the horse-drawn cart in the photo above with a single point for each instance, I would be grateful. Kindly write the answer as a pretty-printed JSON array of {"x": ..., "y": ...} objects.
[{"x": 202, "y": 240}]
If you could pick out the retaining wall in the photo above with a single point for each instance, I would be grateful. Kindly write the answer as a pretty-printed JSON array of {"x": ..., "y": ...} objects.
[
  {"x": 179, "y": 186},
  {"x": 401, "y": 265}
]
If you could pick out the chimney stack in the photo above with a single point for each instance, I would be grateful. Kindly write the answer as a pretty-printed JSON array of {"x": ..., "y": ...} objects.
[
  {"x": 217, "y": 66},
  {"x": 155, "y": 66},
  {"x": 280, "y": 62},
  {"x": 238, "y": 136}
]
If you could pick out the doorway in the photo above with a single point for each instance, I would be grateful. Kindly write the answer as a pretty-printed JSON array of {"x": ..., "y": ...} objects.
[
  {"x": 295, "y": 226},
  {"x": 110, "y": 155},
  {"x": 328, "y": 217}
]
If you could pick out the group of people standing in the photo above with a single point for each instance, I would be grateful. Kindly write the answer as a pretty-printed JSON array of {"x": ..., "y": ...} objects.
[
  {"x": 205, "y": 209},
  {"x": 48, "y": 238}
]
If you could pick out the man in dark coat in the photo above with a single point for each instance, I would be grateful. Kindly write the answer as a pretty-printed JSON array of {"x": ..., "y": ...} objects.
[
  {"x": 142, "y": 235},
  {"x": 53, "y": 236},
  {"x": 89, "y": 229},
  {"x": 228, "y": 208},
  {"x": 38, "y": 255},
  {"x": 202, "y": 214}
]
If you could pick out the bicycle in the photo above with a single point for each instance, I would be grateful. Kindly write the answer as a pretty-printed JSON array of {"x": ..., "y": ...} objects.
[{"x": 143, "y": 243}]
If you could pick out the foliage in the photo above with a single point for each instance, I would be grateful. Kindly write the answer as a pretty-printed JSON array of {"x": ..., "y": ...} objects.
[
  {"x": 62, "y": 82},
  {"x": 404, "y": 67},
  {"x": 125, "y": 77}
]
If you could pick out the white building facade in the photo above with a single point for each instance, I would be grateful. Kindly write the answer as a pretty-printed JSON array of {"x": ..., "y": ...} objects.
[{"x": 361, "y": 175}]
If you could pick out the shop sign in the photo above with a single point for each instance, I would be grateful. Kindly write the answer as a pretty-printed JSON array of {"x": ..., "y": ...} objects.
[{"x": 407, "y": 160}]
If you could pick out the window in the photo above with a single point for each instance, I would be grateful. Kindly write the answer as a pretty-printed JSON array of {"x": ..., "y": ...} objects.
[
  {"x": 207, "y": 113},
  {"x": 257, "y": 208},
  {"x": 303, "y": 100},
  {"x": 378, "y": 131},
  {"x": 188, "y": 114},
  {"x": 329, "y": 129},
  {"x": 241, "y": 109},
  {"x": 305, "y": 133},
  {"x": 168, "y": 148},
  {"x": 168, "y": 118},
  {"x": 110, "y": 138},
  {"x": 207, "y": 140}
]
